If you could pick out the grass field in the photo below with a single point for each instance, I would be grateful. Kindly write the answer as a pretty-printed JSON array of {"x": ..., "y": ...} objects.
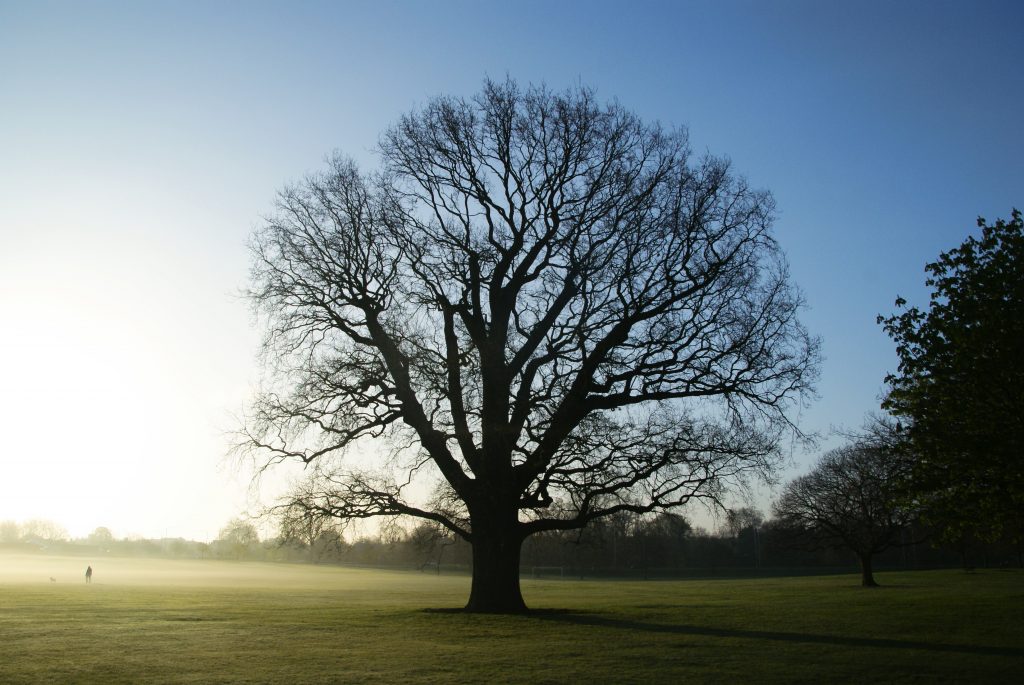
[{"x": 220, "y": 622}]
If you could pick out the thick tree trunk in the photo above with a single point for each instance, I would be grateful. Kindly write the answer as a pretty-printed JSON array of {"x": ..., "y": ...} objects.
[
  {"x": 867, "y": 576},
  {"x": 496, "y": 550}
]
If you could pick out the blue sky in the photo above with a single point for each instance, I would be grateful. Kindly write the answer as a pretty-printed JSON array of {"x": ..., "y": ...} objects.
[{"x": 141, "y": 142}]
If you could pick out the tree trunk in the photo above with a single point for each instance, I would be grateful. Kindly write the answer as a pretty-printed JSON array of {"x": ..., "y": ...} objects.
[
  {"x": 496, "y": 550},
  {"x": 867, "y": 576}
]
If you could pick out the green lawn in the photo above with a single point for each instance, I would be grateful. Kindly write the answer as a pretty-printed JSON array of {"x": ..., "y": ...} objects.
[{"x": 219, "y": 622}]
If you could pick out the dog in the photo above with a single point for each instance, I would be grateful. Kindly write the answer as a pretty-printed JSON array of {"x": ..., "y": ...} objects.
[{"x": 52, "y": 579}]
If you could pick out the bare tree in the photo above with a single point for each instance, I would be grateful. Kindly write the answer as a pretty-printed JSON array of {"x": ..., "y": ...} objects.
[
  {"x": 43, "y": 529},
  {"x": 10, "y": 531},
  {"x": 548, "y": 310},
  {"x": 852, "y": 499}
]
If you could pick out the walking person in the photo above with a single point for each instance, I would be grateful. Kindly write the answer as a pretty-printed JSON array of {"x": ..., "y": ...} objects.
[{"x": 88, "y": 574}]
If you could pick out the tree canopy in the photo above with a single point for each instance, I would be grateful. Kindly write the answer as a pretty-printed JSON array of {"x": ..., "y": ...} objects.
[
  {"x": 850, "y": 499},
  {"x": 959, "y": 390},
  {"x": 547, "y": 310}
]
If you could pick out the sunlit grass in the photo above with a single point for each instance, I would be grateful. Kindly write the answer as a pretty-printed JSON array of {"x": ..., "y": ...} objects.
[{"x": 202, "y": 622}]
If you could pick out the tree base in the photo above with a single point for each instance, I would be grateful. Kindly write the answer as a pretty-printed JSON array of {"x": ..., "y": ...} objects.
[
  {"x": 499, "y": 608},
  {"x": 867, "y": 573},
  {"x": 496, "y": 576}
]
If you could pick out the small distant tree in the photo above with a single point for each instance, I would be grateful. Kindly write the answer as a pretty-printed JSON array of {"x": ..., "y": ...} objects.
[
  {"x": 742, "y": 525},
  {"x": 179, "y": 547},
  {"x": 429, "y": 542},
  {"x": 959, "y": 391},
  {"x": 329, "y": 545},
  {"x": 238, "y": 537},
  {"x": 667, "y": 535},
  {"x": 851, "y": 499},
  {"x": 305, "y": 524},
  {"x": 101, "y": 536},
  {"x": 670, "y": 526},
  {"x": 742, "y": 518}
]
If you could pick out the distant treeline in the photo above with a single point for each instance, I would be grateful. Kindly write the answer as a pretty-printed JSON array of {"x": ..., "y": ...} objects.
[{"x": 626, "y": 546}]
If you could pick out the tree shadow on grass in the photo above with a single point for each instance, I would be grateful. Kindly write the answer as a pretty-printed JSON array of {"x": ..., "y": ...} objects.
[{"x": 578, "y": 618}]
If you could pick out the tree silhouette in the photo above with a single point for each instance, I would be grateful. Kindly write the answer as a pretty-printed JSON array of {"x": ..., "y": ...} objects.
[
  {"x": 544, "y": 310},
  {"x": 101, "y": 536},
  {"x": 853, "y": 499},
  {"x": 959, "y": 392}
]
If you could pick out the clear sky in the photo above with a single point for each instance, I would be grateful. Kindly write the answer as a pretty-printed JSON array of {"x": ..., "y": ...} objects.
[{"x": 141, "y": 142}]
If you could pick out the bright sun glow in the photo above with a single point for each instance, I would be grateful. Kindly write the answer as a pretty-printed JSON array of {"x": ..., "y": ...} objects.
[{"x": 111, "y": 409}]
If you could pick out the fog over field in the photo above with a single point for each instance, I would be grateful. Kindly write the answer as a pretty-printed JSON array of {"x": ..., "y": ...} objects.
[{"x": 112, "y": 573}]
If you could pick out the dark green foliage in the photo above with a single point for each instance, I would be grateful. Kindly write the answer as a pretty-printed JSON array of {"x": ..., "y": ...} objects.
[{"x": 960, "y": 387}]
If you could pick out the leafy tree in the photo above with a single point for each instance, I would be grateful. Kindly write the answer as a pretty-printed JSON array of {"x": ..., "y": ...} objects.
[
  {"x": 664, "y": 539},
  {"x": 101, "y": 536},
  {"x": 670, "y": 525},
  {"x": 543, "y": 308},
  {"x": 240, "y": 531},
  {"x": 959, "y": 390},
  {"x": 238, "y": 537},
  {"x": 329, "y": 545},
  {"x": 741, "y": 519},
  {"x": 851, "y": 499},
  {"x": 743, "y": 526}
]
